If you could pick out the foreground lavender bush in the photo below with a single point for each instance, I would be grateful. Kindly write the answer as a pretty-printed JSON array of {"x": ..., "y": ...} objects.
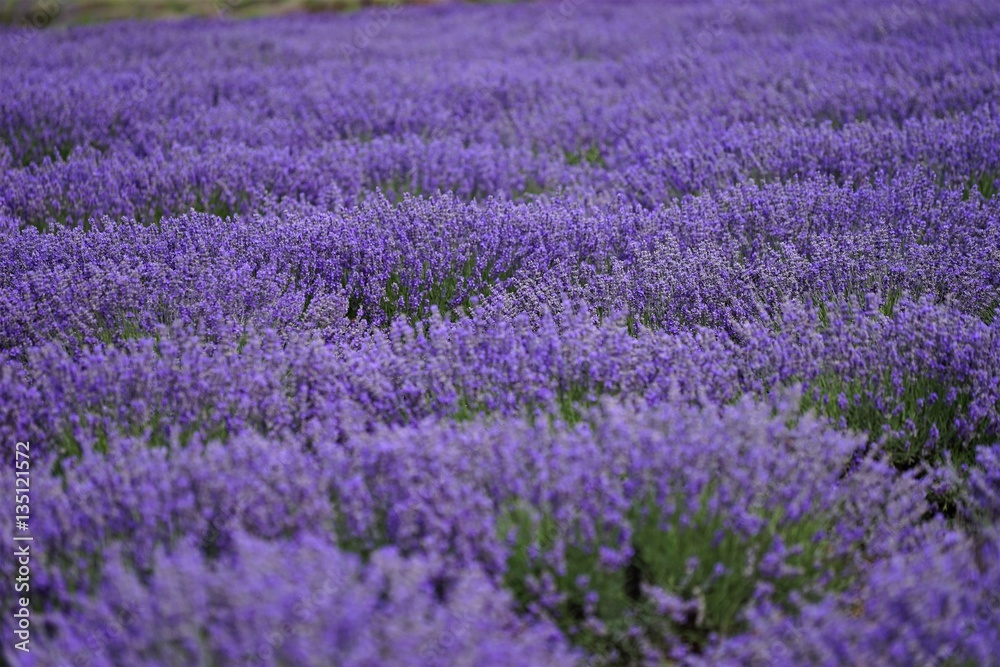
[
  {"x": 324, "y": 607},
  {"x": 945, "y": 590},
  {"x": 589, "y": 333},
  {"x": 750, "y": 523}
]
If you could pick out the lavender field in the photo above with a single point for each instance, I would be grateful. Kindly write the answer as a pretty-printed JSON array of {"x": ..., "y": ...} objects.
[{"x": 569, "y": 333}]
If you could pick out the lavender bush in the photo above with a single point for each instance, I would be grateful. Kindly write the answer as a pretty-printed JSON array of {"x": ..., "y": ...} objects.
[{"x": 577, "y": 333}]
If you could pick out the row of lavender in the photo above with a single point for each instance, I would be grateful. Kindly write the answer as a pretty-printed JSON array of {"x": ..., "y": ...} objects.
[
  {"x": 230, "y": 177},
  {"x": 695, "y": 361},
  {"x": 240, "y": 117},
  {"x": 715, "y": 261},
  {"x": 926, "y": 375},
  {"x": 647, "y": 534}
]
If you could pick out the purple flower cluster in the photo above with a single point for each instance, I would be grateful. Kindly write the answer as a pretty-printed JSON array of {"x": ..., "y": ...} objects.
[
  {"x": 314, "y": 605},
  {"x": 579, "y": 333}
]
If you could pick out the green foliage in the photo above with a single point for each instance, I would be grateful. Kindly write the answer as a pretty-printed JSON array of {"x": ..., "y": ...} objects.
[
  {"x": 985, "y": 183},
  {"x": 711, "y": 570},
  {"x": 531, "y": 188},
  {"x": 399, "y": 299},
  {"x": 414, "y": 299},
  {"x": 907, "y": 418},
  {"x": 158, "y": 429},
  {"x": 114, "y": 330},
  {"x": 217, "y": 203},
  {"x": 398, "y": 188},
  {"x": 989, "y": 313},
  {"x": 16, "y": 12},
  {"x": 591, "y": 155}
]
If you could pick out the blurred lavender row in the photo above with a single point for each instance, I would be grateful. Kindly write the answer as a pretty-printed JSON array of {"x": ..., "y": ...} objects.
[{"x": 625, "y": 99}]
